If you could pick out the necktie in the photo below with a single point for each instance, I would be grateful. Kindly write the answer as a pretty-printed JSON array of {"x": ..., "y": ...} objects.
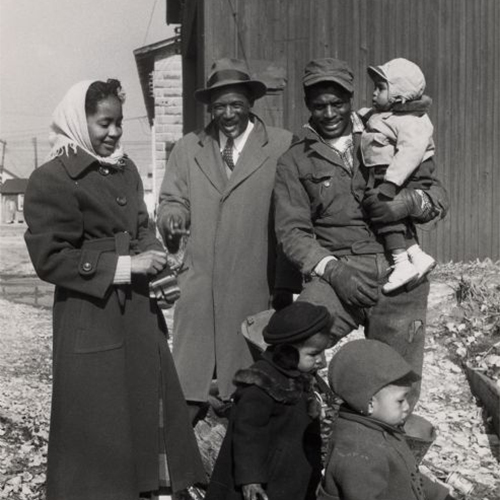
[{"x": 227, "y": 153}]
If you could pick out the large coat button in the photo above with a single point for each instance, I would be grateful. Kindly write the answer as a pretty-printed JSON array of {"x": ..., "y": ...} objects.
[
  {"x": 121, "y": 200},
  {"x": 104, "y": 171},
  {"x": 87, "y": 266}
]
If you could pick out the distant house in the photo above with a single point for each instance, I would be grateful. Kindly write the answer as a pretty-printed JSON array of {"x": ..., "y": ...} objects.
[
  {"x": 160, "y": 72},
  {"x": 13, "y": 200}
]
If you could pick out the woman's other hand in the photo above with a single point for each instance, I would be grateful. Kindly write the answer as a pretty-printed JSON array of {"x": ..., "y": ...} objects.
[
  {"x": 150, "y": 262},
  {"x": 254, "y": 492}
]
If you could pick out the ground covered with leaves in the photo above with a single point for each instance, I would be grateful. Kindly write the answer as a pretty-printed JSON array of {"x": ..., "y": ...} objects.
[
  {"x": 459, "y": 330},
  {"x": 25, "y": 387},
  {"x": 463, "y": 328}
]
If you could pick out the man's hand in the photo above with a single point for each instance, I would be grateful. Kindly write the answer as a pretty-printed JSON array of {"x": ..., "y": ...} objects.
[
  {"x": 172, "y": 227},
  {"x": 351, "y": 286},
  {"x": 175, "y": 227},
  {"x": 407, "y": 203},
  {"x": 254, "y": 492},
  {"x": 150, "y": 262}
]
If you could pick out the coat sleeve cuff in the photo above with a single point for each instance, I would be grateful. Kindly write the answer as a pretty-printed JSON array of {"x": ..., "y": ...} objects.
[
  {"x": 314, "y": 257},
  {"x": 319, "y": 270}
]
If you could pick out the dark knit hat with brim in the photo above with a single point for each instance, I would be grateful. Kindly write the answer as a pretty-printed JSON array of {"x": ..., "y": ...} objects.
[
  {"x": 296, "y": 322},
  {"x": 362, "y": 367}
]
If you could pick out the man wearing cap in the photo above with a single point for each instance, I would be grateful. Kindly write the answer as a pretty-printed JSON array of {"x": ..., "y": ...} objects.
[
  {"x": 322, "y": 226},
  {"x": 218, "y": 188}
]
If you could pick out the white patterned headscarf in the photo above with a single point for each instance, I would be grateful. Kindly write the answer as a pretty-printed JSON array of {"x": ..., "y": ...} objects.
[{"x": 69, "y": 127}]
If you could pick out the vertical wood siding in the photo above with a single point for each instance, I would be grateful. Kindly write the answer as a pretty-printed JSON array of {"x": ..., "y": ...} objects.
[{"x": 455, "y": 42}]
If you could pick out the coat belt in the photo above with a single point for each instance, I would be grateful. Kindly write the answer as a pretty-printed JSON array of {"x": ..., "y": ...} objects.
[{"x": 121, "y": 243}]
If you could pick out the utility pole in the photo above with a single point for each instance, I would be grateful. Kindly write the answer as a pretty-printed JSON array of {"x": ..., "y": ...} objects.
[
  {"x": 4, "y": 146},
  {"x": 35, "y": 149}
]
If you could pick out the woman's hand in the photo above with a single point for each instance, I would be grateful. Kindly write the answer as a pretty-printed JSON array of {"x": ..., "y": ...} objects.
[
  {"x": 150, "y": 262},
  {"x": 254, "y": 492}
]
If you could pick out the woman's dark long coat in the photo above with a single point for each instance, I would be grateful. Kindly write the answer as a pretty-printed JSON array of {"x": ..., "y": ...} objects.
[{"x": 111, "y": 361}]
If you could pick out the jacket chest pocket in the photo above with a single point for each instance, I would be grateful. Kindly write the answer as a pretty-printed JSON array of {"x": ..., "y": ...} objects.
[{"x": 326, "y": 192}]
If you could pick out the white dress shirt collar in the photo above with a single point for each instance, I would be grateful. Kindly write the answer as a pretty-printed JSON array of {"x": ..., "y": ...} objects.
[{"x": 239, "y": 142}]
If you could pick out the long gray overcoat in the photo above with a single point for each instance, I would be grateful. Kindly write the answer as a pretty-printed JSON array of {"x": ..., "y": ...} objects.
[
  {"x": 229, "y": 263},
  {"x": 111, "y": 361}
]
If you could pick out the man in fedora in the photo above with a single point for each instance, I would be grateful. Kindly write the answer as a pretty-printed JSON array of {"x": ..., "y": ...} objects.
[
  {"x": 322, "y": 226},
  {"x": 218, "y": 188}
]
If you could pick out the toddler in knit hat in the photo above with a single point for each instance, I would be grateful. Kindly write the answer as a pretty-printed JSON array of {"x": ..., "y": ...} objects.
[{"x": 369, "y": 457}]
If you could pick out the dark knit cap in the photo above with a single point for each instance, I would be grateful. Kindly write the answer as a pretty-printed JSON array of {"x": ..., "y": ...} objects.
[
  {"x": 362, "y": 367},
  {"x": 296, "y": 322}
]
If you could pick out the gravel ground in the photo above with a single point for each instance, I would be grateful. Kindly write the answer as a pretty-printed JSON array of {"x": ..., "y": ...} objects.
[{"x": 465, "y": 443}]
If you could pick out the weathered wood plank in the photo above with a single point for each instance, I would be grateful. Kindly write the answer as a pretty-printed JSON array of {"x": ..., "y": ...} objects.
[{"x": 485, "y": 390}]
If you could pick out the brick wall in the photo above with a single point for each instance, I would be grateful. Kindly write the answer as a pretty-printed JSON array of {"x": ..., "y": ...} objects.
[{"x": 167, "y": 90}]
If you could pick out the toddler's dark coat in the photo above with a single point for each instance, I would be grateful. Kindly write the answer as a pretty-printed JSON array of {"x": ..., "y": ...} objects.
[
  {"x": 273, "y": 436},
  {"x": 371, "y": 460}
]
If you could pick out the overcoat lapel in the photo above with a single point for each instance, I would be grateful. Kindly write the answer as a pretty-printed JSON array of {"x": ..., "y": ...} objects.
[
  {"x": 251, "y": 159},
  {"x": 209, "y": 160}
]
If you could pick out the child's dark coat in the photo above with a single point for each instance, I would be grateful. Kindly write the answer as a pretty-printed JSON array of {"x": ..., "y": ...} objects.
[
  {"x": 371, "y": 460},
  {"x": 271, "y": 438}
]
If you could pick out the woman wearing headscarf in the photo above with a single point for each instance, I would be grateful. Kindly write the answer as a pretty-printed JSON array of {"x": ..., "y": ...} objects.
[{"x": 119, "y": 423}]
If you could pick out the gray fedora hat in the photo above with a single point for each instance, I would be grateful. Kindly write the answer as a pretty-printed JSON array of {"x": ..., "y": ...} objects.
[{"x": 228, "y": 72}]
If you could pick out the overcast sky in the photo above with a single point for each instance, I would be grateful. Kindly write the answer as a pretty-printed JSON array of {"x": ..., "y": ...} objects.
[{"x": 48, "y": 45}]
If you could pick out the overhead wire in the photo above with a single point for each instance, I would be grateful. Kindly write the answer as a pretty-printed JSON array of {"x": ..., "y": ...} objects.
[{"x": 149, "y": 23}]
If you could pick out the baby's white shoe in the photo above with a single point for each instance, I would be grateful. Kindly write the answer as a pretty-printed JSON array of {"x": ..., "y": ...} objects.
[
  {"x": 422, "y": 261},
  {"x": 403, "y": 272}
]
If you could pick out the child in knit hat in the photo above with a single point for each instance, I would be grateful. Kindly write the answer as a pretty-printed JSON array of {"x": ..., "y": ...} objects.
[
  {"x": 397, "y": 148},
  {"x": 369, "y": 457},
  {"x": 272, "y": 448}
]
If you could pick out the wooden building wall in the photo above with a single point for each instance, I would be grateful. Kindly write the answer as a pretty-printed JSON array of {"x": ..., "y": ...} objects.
[{"x": 455, "y": 42}]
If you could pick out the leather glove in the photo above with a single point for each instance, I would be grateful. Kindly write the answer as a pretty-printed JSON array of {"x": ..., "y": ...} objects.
[
  {"x": 351, "y": 286},
  {"x": 388, "y": 189},
  {"x": 172, "y": 228},
  {"x": 407, "y": 203}
]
